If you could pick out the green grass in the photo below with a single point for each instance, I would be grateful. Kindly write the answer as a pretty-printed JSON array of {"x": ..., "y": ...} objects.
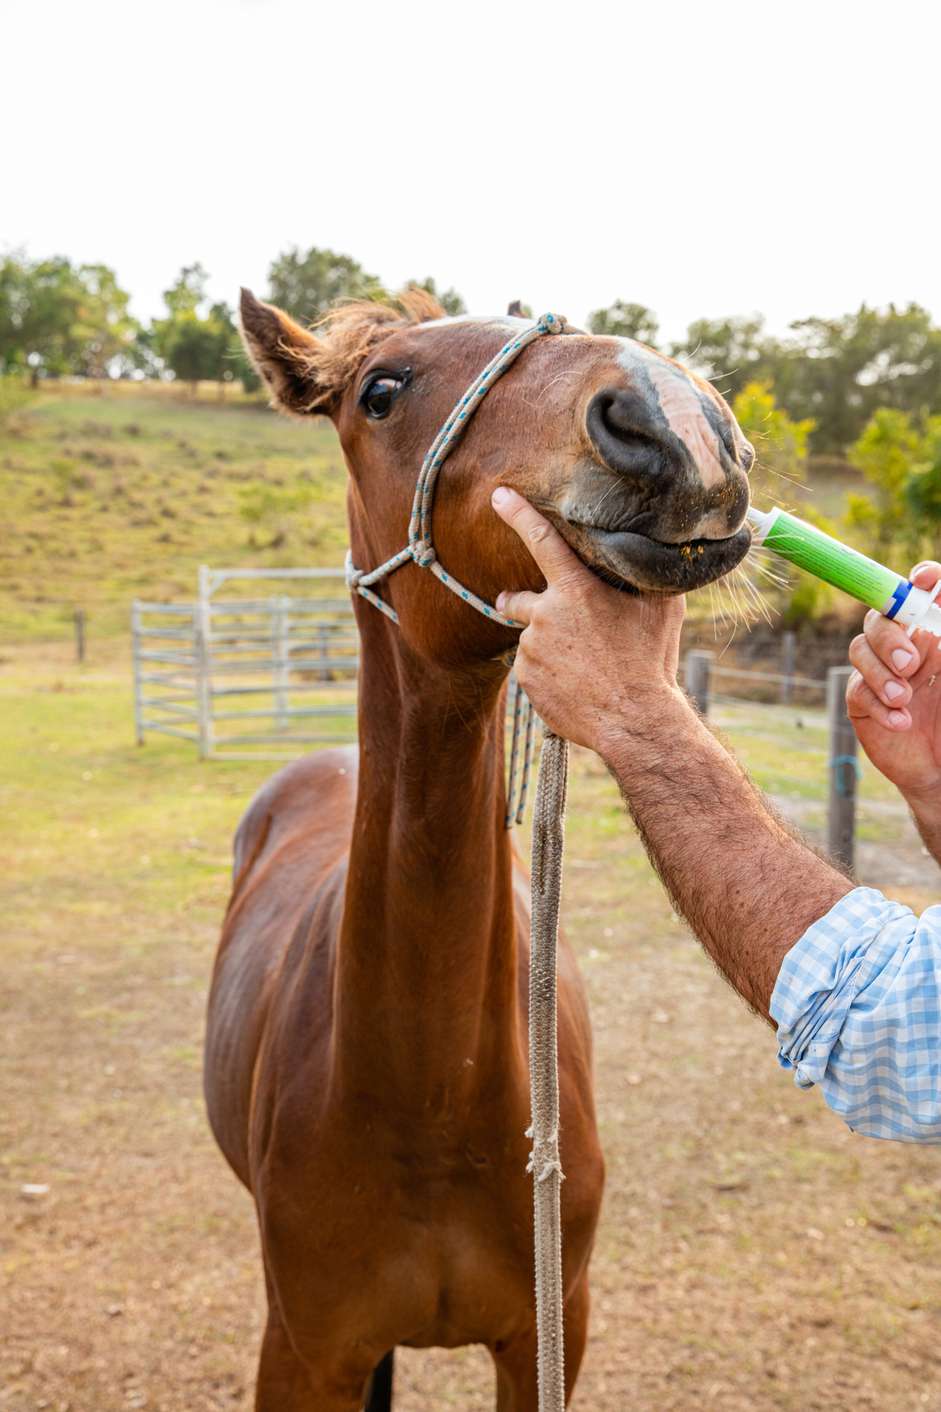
[
  {"x": 125, "y": 493},
  {"x": 82, "y": 793}
]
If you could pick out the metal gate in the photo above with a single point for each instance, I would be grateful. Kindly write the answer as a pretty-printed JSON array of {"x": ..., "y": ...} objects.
[{"x": 248, "y": 678}]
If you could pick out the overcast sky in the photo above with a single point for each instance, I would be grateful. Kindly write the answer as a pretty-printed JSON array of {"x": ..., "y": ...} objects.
[{"x": 700, "y": 158}]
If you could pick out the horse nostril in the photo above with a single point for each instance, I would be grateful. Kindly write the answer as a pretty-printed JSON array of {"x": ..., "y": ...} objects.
[{"x": 623, "y": 434}]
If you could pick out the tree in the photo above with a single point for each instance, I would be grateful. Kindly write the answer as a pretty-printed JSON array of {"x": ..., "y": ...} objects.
[
  {"x": 622, "y": 320},
  {"x": 840, "y": 371},
  {"x": 923, "y": 489},
  {"x": 449, "y": 299},
  {"x": 104, "y": 330},
  {"x": 730, "y": 352},
  {"x": 58, "y": 318},
  {"x": 780, "y": 461},
  {"x": 195, "y": 346},
  {"x": 886, "y": 452},
  {"x": 780, "y": 442},
  {"x": 196, "y": 349},
  {"x": 240, "y": 364},
  {"x": 39, "y": 311},
  {"x": 305, "y": 285},
  {"x": 188, "y": 291}
]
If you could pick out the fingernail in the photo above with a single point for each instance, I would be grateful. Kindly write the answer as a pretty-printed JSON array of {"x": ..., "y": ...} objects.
[
  {"x": 901, "y": 658},
  {"x": 893, "y": 690},
  {"x": 501, "y": 597},
  {"x": 898, "y": 718},
  {"x": 500, "y": 496}
]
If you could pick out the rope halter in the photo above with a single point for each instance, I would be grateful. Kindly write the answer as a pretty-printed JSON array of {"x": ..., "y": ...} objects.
[{"x": 421, "y": 548}]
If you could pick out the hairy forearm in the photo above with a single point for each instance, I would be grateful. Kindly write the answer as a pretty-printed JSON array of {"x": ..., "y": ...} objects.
[
  {"x": 927, "y": 816},
  {"x": 747, "y": 886}
]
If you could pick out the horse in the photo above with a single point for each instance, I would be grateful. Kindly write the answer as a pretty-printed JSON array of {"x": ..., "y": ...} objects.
[{"x": 366, "y": 1045}]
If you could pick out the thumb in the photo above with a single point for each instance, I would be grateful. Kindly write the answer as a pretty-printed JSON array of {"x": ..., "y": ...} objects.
[{"x": 544, "y": 543}]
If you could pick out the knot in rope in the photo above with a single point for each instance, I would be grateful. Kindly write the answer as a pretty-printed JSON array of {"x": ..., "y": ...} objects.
[
  {"x": 423, "y": 553},
  {"x": 551, "y": 323},
  {"x": 351, "y": 574},
  {"x": 544, "y": 1160}
]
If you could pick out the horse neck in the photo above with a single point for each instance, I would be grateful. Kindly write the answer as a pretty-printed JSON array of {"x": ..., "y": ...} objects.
[{"x": 427, "y": 942}]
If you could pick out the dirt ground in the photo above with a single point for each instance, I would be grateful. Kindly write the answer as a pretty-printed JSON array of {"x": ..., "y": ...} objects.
[{"x": 753, "y": 1252}]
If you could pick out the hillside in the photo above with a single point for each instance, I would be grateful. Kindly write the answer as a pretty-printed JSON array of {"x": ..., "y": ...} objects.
[
  {"x": 126, "y": 491},
  {"x": 120, "y": 491}
]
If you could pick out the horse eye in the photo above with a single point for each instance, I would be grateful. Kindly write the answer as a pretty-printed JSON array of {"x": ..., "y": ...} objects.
[{"x": 379, "y": 394}]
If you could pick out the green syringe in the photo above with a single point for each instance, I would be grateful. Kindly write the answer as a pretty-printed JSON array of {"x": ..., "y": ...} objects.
[{"x": 826, "y": 558}]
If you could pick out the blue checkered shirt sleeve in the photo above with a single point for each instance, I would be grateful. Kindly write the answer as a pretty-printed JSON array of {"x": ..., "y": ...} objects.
[{"x": 858, "y": 1009}]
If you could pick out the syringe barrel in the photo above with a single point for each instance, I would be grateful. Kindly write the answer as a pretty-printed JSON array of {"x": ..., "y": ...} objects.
[{"x": 826, "y": 558}]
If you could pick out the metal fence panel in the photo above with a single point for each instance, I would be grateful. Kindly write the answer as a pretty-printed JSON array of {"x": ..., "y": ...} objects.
[{"x": 230, "y": 672}]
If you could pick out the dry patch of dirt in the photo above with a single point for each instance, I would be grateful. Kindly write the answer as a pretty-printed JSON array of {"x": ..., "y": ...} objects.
[{"x": 753, "y": 1252}]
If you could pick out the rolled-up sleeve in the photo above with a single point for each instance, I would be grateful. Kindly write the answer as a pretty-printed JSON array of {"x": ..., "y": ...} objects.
[{"x": 858, "y": 1009}]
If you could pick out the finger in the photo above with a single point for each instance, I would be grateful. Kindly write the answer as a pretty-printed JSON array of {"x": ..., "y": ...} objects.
[
  {"x": 518, "y": 606},
  {"x": 926, "y": 574},
  {"x": 891, "y": 643},
  {"x": 862, "y": 704},
  {"x": 876, "y": 674},
  {"x": 545, "y": 544}
]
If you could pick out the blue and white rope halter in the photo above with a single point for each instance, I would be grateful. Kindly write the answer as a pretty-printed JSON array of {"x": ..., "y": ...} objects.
[{"x": 420, "y": 548}]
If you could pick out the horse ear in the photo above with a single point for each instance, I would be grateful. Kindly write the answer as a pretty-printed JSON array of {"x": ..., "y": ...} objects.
[
  {"x": 285, "y": 355},
  {"x": 515, "y": 309}
]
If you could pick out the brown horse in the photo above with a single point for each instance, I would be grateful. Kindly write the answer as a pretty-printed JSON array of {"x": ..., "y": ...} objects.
[{"x": 366, "y": 1057}]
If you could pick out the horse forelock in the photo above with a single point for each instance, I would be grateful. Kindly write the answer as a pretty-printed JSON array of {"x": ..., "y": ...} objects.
[{"x": 348, "y": 332}]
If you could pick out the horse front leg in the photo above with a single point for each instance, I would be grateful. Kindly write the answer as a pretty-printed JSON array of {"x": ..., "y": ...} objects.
[
  {"x": 289, "y": 1383},
  {"x": 517, "y": 1385}
]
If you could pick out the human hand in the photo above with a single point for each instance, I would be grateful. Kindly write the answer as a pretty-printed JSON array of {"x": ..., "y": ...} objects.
[
  {"x": 595, "y": 661},
  {"x": 894, "y": 701}
]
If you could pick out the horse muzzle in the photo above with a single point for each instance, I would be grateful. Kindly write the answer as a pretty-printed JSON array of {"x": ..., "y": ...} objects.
[{"x": 638, "y": 563}]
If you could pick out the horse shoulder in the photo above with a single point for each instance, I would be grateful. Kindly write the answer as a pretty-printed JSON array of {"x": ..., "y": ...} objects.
[{"x": 290, "y": 848}]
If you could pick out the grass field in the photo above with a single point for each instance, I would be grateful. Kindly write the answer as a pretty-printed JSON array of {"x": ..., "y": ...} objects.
[
  {"x": 752, "y": 1251},
  {"x": 125, "y": 493}
]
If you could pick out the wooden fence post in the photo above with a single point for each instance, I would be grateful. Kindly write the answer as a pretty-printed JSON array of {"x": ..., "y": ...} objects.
[
  {"x": 788, "y": 663},
  {"x": 78, "y": 618},
  {"x": 844, "y": 771},
  {"x": 698, "y": 671}
]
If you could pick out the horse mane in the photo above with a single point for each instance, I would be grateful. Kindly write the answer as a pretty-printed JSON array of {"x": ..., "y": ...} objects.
[{"x": 347, "y": 333}]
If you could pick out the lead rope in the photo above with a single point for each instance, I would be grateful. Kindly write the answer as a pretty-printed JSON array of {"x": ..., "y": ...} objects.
[
  {"x": 523, "y": 715},
  {"x": 548, "y": 831},
  {"x": 544, "y": 1161}
]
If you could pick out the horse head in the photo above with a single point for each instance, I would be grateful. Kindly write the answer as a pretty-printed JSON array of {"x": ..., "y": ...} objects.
[{"x": 639, "y": 464}]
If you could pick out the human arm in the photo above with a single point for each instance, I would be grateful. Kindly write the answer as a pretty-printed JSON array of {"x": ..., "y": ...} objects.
[
  {"x": 851, "y": 979},
  {"x": 894, "y": 702},
  {"x": 601, "y": 667}
]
